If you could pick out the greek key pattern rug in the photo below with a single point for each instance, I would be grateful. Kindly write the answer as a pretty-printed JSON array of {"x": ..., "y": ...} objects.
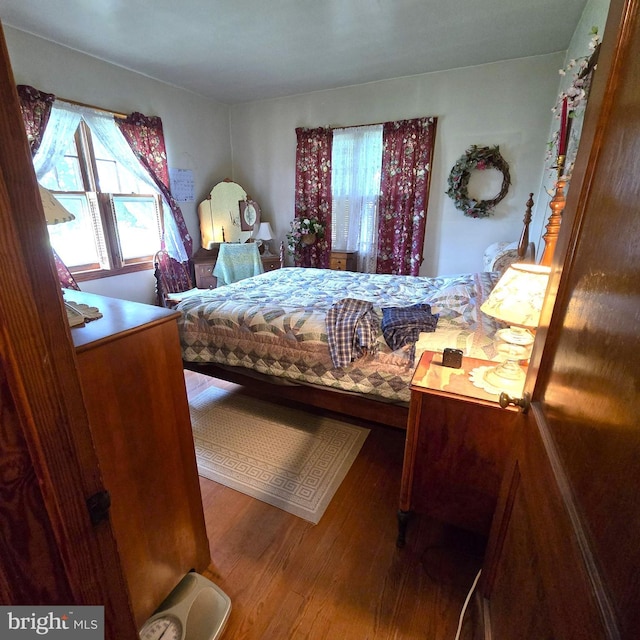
[{"x": 285, "y": 457}]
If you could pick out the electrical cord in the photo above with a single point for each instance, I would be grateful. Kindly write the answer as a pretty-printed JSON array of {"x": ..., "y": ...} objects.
[{"x": 466, "y": 604}]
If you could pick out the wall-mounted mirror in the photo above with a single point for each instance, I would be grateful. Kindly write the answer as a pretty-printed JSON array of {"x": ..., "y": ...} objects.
[{"x": 227, "y": 215}]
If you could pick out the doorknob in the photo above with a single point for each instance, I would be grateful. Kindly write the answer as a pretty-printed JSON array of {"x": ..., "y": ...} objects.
[{"x": 524, "y": 403}]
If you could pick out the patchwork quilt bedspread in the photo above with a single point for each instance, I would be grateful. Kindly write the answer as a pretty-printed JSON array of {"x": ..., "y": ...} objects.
[{"x": 274, "y": 324}]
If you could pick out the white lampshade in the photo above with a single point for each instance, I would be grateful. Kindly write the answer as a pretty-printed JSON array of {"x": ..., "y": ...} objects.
[
  {"x": 54, "y": 212},
  {"x": 517, "y": 298},
  {"x": 265, "y": 232}
]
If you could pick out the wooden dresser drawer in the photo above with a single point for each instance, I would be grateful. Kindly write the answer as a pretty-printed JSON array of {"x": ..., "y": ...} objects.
[
  {"x": 204, "y": 276},
  {"x": 344, "y": 261},
  {"x": 270, "y": 263}
]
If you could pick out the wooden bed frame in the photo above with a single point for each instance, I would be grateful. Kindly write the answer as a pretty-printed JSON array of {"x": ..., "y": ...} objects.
[
  {"x": 334, "y": 401},
  {"x": 351, "y": 404}
]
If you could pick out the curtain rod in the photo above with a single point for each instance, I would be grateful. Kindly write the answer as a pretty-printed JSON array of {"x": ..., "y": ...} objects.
[
  {"x": 355, "y": 126},
  {"x": 115, "y": 114},
  {"x": 374, "y": 124}
]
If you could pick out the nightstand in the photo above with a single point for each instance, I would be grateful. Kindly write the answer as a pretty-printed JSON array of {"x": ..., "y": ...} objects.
[
  {"x": 204, "y": 260},
  {"x": 270, "y": 263},
  {"x": 343, "y": 260},
  {"x": 457, "y": 442}
]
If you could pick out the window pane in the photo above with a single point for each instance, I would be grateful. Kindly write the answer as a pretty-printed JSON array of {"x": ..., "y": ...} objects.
[
  {"x": 113, "y": 177},
  {"x": 138, "y": 228},
  {"x": 66, "y": 175},
  {"x": 109, "y": 233},
  {"x": 108, "y": 176},
  {"x": 75, "y": 241},
  {"x": 356, "y": 166}
]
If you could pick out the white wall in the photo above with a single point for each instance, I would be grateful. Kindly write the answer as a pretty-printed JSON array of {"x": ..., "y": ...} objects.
[
  {"x": 196, "y": 129},
  {"x": 506, "y": 103}
]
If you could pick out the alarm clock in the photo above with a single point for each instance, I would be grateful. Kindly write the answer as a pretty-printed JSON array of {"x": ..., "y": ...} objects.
[
  {"x": 197, "y": 609},
  {"x": 452, "y": 358}
]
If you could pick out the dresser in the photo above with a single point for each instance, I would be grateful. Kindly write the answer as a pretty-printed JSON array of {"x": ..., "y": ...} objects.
[
  {"x": 204, "y": 260},
  {"x": 343, "y": 260},
  {"x": 457, "y": 442},
  {"x": 131, "y": 375}
]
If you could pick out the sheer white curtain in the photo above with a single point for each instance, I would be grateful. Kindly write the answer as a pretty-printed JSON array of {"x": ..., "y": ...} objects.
[
  {"x": 63, "y": 122},
  {"x": 105, "y": 129},
  {"x": 356, "y": 162}
]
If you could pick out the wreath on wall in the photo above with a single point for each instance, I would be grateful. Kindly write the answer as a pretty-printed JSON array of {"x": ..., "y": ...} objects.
[{"x": 478, "y": 158}]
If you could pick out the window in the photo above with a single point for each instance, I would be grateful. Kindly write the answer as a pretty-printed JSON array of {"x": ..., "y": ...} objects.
[
  {"x": 397, "y": 233},
  {"x": 356, "y": 165},
  {"x": 117, "y": 226}
]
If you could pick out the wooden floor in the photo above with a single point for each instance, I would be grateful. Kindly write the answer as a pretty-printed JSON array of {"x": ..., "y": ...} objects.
[{"x": 343, "y": 578}]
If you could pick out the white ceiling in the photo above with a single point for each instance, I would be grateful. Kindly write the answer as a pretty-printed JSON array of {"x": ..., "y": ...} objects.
[{"x": 243, "y": 50}]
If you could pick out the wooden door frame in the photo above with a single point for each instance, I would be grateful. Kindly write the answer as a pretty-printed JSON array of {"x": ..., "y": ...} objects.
[
  {"x": 623, "y": 18},
  {"x": 536, "y": 456},
  {"x": 38, "y": 360}
]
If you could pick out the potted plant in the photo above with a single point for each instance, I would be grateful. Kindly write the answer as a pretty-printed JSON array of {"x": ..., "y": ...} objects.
[{"x": 304, "y": 231}]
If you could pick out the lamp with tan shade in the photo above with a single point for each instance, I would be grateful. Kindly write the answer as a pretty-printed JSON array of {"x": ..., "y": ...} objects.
[
  {"x": 54, "y": 212},
  {"x": 517, "y": 300}
]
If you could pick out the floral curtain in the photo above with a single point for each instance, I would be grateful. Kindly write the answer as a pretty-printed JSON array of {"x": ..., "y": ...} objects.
[
  {"x": 406, "y": 170},
  {"x": 36, "y": 109},
  {"x": 313, "y": 191},
  {"x": 146, "y": 137}
]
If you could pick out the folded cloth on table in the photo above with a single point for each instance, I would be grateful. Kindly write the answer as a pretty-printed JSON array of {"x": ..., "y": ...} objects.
[
  {"x": 237, "y": 262},
  {"x": 352, "y": 329},
  {"x": 402, "y": 326}
]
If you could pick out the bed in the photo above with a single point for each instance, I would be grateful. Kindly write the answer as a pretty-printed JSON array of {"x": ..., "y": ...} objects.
[
  {"x": 269, "y": 333},
  {"x": 275, "y": 324}
]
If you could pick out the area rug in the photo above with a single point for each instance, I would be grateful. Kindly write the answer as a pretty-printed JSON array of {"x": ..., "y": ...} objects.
[{"x": 285, "y": 457}]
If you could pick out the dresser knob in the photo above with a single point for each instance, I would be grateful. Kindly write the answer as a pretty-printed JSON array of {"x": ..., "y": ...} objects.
[{"x": 524, "y": 403}]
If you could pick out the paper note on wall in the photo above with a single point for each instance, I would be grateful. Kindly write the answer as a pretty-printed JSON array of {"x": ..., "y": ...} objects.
[{"x": 182, "y": 187}]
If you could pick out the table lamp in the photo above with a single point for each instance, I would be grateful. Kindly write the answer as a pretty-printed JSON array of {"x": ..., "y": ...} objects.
[
  {"x": 517, "y": 300},
  {"x": 54, "y": 212},
  {"x": 265, "y": 233}
]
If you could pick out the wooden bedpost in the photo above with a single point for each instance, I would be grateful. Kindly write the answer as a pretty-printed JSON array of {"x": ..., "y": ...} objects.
[{"x": 553, "y": 224}]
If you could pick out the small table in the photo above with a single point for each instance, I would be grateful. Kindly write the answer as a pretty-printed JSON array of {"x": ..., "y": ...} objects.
[
  {"x": 343, "y": 260},
  {"x": 457, "y": 442}
]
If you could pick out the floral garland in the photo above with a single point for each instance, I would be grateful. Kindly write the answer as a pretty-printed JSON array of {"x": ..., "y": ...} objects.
[
  {"x": 574, "y": 97},
  {"x": 479, "y": 158},
  {"x": 301, "y": 228}
]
